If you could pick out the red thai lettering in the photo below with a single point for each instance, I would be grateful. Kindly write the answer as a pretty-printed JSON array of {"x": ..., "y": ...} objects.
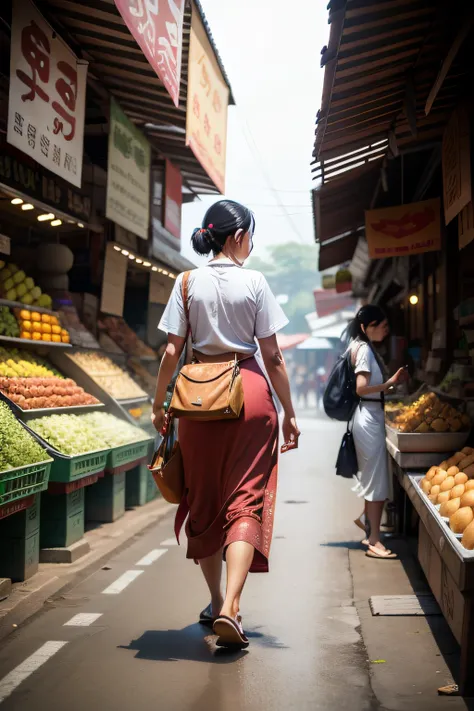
[{"x": 35, "y": 48}]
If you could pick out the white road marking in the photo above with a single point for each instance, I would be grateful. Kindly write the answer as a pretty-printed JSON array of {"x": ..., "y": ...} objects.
[
  {"x": 122, "y": 582},
  {"x": 169, "y": 542},
  {"x": 12, "y": 680},
  {"x": 152, "y": 556},
  {"x": 83, "y": 619}
]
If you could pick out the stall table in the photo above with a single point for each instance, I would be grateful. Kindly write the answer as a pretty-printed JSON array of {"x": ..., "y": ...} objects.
[{"x": 448, "y": 566}]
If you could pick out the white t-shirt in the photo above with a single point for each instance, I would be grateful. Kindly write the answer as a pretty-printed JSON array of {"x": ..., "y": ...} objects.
[
  {"x": 366, "y": 363},
  {"x": 229, "y": 307}
]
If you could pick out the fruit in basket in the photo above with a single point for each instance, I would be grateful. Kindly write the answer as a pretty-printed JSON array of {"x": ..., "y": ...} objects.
[
  {"x": 115, "y": 381},
  {"x": 40, "y": 325},
  {"x": 450, "y": 507},
  {"x": 457, "y": 491},
  {"x": 460, "y": 520},
  {"x": 467, "y": 499},
  {"x": 17, "y": 447},
  {"x": 447, "y": 484},
  {"x": 77, "y": 434},
  {"x": 468, "y": 537},
  {"x": 429, "y": 414},
  {"x": 15, "y": 285},
  {"x": 443, "y": 497},
  {"x": 8, "y": 323},
  {"x": 431, "y": 473},
  {"x": 440, "y": 477},
  {"x": 461, "y": 478},
  {"x": 425, "y": 486}
]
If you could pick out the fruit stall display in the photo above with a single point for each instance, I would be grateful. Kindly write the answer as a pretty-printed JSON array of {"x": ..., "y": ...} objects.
[
  {"x": 108, "y": 375},
  {"x": 450, "y": 488},
  {"x": 31, "y": 383},
  {"x": 24, "y": 464},
  {"x": 79, "y": 434},
  {"x": 15, "y": 285},
  {"x": 141, "y": 415},
  {"x": 8, "y": 324},
  {"x": 78, "y": 333},
  {"x": 427, "y": 414},
  {"x": 121, "y": 333},
  {"x": 144, "y": 378}
]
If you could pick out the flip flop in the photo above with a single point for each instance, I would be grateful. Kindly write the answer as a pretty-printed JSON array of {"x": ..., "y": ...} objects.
[
  {"x": 381, "y": 555},
  {"x": 206, "y": 618},
  {"x": 365, "y": 542},
  {"x": 230, "y": 632}
]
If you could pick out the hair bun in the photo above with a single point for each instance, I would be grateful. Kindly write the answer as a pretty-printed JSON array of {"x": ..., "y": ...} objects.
[{"x": 202, "y": 241}]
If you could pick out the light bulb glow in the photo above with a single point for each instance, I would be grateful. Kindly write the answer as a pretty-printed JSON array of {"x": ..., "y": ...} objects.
[
  {"x": 79, "y": 224},
  {"x": 45, "y": 217},
  {"x": 154, "y": 269},
  {"x": 56, "y": 223},
  {"x": 413, "y": 299},
  {"x": 131, "y": 256},
  {"x": 139, "y": 261},
  {"x": 125, "y": 252},
  {"x": 17, "y": 201},
  {"x": 117, "y": 249},
  {"x": 27, "y": 206},
  {"x": 147, "y": 264}
]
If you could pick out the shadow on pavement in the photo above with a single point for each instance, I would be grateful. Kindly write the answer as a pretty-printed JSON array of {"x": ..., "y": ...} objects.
[
  {"x": 192, "y": 643},
  {"x": 350, "y": 545}
]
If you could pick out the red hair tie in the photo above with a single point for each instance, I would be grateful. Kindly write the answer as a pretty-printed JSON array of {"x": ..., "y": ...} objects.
[{"x": 210, "y": 226}]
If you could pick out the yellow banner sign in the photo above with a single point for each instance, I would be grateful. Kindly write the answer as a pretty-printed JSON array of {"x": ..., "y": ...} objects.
[
  {"x": 208, "y": 98},
  {"x": 404, "y": 229}
]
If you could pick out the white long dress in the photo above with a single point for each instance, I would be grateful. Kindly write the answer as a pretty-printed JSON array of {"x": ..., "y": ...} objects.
[{"x": 369, "y": 432}]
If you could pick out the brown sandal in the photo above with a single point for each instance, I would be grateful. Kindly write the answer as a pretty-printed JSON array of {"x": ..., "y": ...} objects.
[
  {"x": 230, "y": 632},
  {"x": 380, "y": 555}
]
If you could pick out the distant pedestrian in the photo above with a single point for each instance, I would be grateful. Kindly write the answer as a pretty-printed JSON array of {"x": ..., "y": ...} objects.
[
  {"x": 371, "y": 326},
  {"x": 230, "y": 466}
]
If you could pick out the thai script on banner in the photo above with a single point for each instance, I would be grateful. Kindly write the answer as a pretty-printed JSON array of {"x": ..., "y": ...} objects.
[
  {"x": 402, "y": 230},
  {"x": 208, "y": 99},
  {"x": 157, "y": 26},
  {"x": 47, "y": 95}
]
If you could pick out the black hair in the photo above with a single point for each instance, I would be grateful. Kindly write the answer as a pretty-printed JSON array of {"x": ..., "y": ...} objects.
[
  {"x": 222, "y": 220},
  {"x": 366, "y": 316}
]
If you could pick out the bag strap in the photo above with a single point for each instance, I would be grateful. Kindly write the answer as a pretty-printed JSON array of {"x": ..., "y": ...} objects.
[{"x": 185, "y": 295}]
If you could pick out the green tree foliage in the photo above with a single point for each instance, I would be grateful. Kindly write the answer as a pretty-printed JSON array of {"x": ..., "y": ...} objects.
[{"x": 292, "y": 269}]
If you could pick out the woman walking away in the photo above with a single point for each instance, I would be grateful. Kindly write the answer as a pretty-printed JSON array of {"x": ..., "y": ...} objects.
[
  {"x": 371, "y": 326},
  {"x": 230, "y": 465}
]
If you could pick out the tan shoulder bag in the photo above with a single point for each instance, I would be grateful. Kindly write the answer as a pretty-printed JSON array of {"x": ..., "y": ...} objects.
[{"x": 207, "y": 391}]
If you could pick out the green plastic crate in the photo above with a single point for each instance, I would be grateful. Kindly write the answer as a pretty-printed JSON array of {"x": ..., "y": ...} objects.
[
  {"x": 65, "y": 469},
  {"x": 24, "y": 481},
  {"x": 127, "y": 453}
]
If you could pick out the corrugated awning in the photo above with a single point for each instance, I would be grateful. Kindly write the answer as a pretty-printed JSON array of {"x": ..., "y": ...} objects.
[
  {"x": 380, "y": 65},
  {"x": 339, "y": 205},
  {"x": 337, "y": 251},
  {"x": 96, "y": 32}
]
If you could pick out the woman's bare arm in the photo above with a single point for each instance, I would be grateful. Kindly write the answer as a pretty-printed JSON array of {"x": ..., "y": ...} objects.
[
  {"x": 168, "y": 365},
  {"x": 363, "y": 388}
]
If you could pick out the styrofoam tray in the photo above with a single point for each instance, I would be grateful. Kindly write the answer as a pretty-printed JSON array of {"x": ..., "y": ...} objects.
[
  {"x": 453, "y": 538},
  {"x": 427, "y": 442}
]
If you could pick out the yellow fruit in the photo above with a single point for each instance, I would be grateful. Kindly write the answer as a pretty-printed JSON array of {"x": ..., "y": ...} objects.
[
  {"x": 46, "y": 318},
  {"x": 26, "y": 334},
  {"x": 461, "y": 519},
  {"x": 25, "y": 315},
  {"x": 460, "y": 478},
  {"x": 447, "y": 484},
  {"x": 65, "y": 339},
  {"x": 55, "y": 338},
  {"x": 46, "y": 328},
  {"x": 439, "y": 477},
  {"x": 64, "y": 332},
  {"x": 36, "y": 336},
  {"x": 35, "y": 316},
  {"x": 36, "y": 326},
  {"x": 26, "y": 325},
  {"x": 56, "y": 330},
  {"x": 457, "y": 491},
  {"x": 54, "y": 321},
  {"x": 46, "y": 337}
]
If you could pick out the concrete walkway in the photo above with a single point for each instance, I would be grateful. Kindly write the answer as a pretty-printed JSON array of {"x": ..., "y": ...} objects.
[{"x": 126, "y": 636}]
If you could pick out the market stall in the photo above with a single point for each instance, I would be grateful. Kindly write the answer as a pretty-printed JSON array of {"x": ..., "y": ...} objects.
[{"x": 433, "y": 473}]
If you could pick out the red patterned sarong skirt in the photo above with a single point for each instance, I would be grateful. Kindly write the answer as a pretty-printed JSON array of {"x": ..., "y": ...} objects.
[{"x": 231, "y": 475}]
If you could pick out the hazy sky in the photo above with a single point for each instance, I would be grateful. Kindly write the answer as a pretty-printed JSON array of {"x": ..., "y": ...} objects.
[{"x": 272, "y": 58}]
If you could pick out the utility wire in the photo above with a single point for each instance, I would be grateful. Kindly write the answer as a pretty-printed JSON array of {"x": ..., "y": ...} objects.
[{"x": 257, "y": 155}]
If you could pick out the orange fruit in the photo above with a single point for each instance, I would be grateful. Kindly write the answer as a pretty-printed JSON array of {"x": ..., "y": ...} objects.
[
  {"x": 35, "y": 316},
  {"x": 26, "y": 334},
  {"x": 54, "y": 321},
  {"x": 64, "y": 332},
  {"x": 25, "y": 315},
  {"x": 46, "y": 318},
  {"x": 46, "y": 337},
  {"x": 36, "y": 326},
  {"x": 26, "y": 325},
  {"x": 65, "y": 339},
  {"x": 46, "y": 328},
  {"x": 55, "y": 338},
  {"x": 36, "y": 336},
  {"x": 56, "y": 330}
]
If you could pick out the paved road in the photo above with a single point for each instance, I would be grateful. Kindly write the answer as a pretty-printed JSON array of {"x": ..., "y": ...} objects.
[{"x": 138, "y": 645}]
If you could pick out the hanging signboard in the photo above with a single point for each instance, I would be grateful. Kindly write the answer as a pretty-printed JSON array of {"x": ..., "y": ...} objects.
[
  {"x": 208, "y": 99},
  {"x": 172, "y": 201},
  {"x": 157, "y": 26},
  {"x": 456, "y": 164},
  {"x": 113, "y": 282},
  {"x": 403, "y": 229},
  {"x": 466, "y": 225},
  {"x": 128, "y": 174},
  {"x": 47, "y": 95}
]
